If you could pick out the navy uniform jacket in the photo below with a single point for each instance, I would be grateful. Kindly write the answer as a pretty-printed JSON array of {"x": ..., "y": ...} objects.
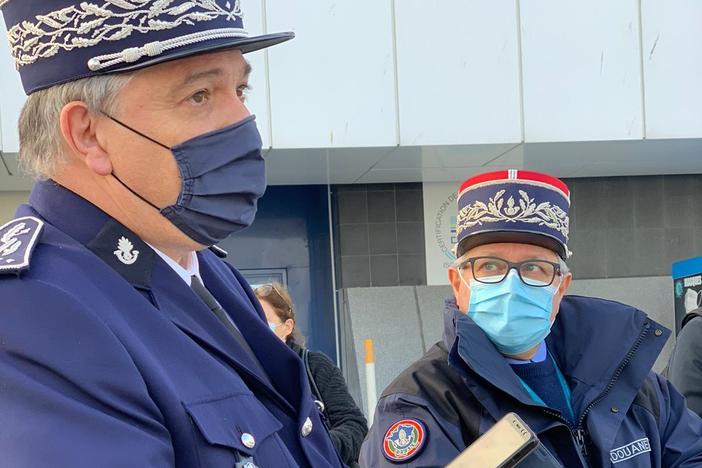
[
  {"x": 108, "y": 359},
  {"x": 627, "y": 415}
]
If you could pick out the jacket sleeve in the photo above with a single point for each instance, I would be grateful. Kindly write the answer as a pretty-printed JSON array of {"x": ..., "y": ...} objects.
[
  {"x": 348, "y": 426},
  {"x": 681, "y": 429},
  {"x": 70, "y": 395},
  {"x": 685, "y": 366},
  {"x": 437, "y": 450}
]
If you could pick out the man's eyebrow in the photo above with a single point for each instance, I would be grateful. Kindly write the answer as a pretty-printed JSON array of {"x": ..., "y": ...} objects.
[{"x": 192, "y": 77}]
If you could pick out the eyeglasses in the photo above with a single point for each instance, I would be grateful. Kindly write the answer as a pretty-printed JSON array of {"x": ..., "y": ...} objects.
[
  {"x": 268, "y": 289},
  {"x": 492, "y": 270}
]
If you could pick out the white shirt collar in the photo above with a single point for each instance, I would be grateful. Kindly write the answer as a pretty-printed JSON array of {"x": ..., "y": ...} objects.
[{"x": 184, "y": 273}]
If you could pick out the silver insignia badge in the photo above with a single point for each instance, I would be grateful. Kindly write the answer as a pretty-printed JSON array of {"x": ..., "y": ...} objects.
[
  {"x": 125, "y": 251},
  {"x": 18, "y": 238},
  {"x": 9, "y": 242}
]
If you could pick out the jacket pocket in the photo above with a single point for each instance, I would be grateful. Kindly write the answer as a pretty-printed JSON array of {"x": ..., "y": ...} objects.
[{"x": 235, "y": 427}]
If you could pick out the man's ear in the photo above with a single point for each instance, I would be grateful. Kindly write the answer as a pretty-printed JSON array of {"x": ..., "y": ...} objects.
[
  {"x": 562, "y": 288},
  {"x": 455, "y": 281},
  {"x": 78, "y": 131},
  {"x": 461, "y": 292},
  {"x": 565, "y": 283}
]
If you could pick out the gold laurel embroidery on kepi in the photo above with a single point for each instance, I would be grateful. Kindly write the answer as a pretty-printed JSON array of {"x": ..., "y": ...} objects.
[
  {"x": 527, "y": 211},
  {"x": 88, "y": 24}
]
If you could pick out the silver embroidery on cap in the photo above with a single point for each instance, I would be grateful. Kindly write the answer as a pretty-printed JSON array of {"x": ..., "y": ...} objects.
[
  {"x": 526, "y": 211},
  {"x": 89, "y": 24}
]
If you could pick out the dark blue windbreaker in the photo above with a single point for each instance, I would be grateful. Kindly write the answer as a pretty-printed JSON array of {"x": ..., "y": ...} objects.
[{"x": 628, "y": 416}]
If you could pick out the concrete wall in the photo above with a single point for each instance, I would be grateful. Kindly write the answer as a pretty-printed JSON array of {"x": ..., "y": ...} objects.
[
  {"x": 634, "y": 226},
  {"x": 379, "y": 235},
  {"x": 8, "y": 204},
  {"x": 405, "y": 321}
]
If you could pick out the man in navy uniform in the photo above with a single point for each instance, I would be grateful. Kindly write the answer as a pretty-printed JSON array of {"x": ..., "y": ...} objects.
[
  {"x": 125, "y": 341},
  {"x": 576, "y": 369}
]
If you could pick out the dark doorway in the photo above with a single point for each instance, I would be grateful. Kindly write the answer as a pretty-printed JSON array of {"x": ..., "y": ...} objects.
[{"x": 289, "y": 240}]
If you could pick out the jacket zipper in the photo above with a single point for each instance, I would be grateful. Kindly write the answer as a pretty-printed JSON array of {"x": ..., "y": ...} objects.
[{"x": 579, "y": 433}]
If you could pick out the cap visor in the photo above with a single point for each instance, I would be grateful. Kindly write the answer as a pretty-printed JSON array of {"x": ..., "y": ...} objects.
[
  {"x": 517, "y": 237},
  {"x": 245, "y": 44}
]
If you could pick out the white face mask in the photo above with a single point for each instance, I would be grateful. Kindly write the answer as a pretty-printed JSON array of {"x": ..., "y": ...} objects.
[{"x": 692, "y": 300}]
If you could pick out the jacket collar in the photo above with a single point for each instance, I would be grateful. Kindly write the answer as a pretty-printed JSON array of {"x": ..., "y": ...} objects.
[
  {"x": 472, "y": 351},
  {"x": 116, "y": 245},
  {"x": 62, "y": 208},
  {"x": 587, "y": 352},
  {"x": 136, "y": 262}
]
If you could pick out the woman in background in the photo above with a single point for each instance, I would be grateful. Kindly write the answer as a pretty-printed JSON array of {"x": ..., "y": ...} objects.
[{"x": 346, "y": 423}]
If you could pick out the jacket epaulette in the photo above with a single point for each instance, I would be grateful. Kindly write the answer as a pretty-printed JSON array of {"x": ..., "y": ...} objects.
[{"x": 18, "y": 238}]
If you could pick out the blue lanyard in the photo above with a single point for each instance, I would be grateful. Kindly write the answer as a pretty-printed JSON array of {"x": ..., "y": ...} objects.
[{"x": 564, "y": 387}]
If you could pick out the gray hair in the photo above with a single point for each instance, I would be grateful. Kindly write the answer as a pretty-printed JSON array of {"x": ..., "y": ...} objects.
[
  {"x": 39, "y": 130},
  {"x": 564, "y": 267}
]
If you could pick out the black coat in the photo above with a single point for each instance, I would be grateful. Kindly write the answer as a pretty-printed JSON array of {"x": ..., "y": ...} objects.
[
  {"x": 685, "y": 365},
  {"x": 347, "y": 425}
]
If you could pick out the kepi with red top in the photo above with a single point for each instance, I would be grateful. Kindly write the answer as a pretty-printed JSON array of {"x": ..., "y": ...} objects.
[{"x": 513, "y": 206}]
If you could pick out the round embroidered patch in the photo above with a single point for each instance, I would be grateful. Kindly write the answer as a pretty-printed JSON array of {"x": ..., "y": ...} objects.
[{"x": 404, "y": 440}]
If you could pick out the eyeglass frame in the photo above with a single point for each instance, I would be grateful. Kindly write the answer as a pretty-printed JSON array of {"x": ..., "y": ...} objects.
[
  {"x": 557, "y": 271},
  {"x": 273, "y": 288}
]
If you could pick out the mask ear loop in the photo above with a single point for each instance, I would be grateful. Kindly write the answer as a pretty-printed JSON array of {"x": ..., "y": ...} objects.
[
  {"x": 133, "y": 192},
  {"x": 119, "y": 122},
  {"x": 153, "y": 140},
  {"x": 561, "y": 274},
  {"x": 458, "y": 268}
]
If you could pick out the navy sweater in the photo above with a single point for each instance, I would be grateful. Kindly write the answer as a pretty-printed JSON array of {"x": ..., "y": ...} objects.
[{"x": 542, "y": 378}]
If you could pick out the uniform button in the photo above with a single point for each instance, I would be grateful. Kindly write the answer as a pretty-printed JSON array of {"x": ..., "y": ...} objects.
[
  {"x": 248, "y": 440},
  {"x": 658, "y": 332},
  {"x": 306, "y": 427},
  {"x": 614, "y": 409}
]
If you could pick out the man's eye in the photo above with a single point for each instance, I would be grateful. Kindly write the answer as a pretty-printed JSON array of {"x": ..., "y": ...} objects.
[
  {"x": 200, "y": 97},
  {"x": 242, "y": 92}
]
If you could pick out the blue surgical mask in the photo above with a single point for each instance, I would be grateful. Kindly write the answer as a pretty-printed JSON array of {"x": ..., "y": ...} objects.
[
  {"x": 223, "y": 175},
  {"x": 516, "y": 317},
  {"x": 272, "y": 326}
]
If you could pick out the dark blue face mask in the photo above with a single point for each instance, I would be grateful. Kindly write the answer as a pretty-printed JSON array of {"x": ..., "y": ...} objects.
[{"x": 223, "y": 176}]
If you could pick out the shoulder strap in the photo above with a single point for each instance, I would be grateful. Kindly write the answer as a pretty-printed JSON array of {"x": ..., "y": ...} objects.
[
  {"x": 18, "y": 238},
  {"x": 305, "y": 354}
]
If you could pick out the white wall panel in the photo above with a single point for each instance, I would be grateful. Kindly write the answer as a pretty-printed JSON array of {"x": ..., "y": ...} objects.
[
  {"x": 333, "y": 85},
  {"x": 257, "y": 100},
  {"x": 443, "y": 156},
  {"x": 458, "y": 72},
  {"x": 672, "y": 59},
  {"x": 12, "y": 96},
  {"x": 582, "y": 70}
]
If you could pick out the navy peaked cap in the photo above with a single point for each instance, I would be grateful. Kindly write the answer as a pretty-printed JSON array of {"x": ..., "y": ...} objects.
[{"x": 57, "y": 41}]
